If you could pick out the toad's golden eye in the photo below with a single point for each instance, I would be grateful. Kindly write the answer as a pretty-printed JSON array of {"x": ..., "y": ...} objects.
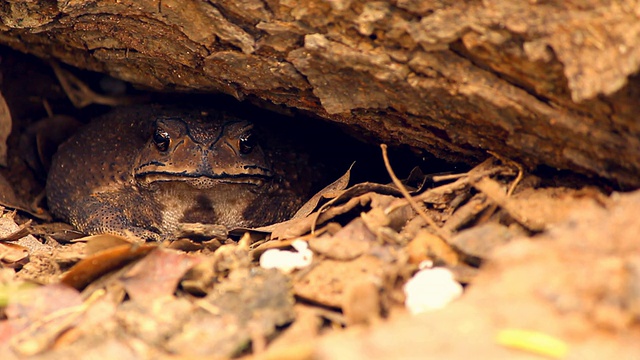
[
  {"x": 246, "y": 142},
  {"x": 162, "y": 139}
]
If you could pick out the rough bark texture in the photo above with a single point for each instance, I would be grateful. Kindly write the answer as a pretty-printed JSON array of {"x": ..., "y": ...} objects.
[{"x": 546, "y": 82}]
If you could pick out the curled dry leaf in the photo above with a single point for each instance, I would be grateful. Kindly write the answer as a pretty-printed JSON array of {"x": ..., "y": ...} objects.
[{"x": 330, "y": 191}]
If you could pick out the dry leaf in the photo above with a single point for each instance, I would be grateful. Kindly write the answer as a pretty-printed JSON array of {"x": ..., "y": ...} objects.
[{"x": 345, "y": 201}]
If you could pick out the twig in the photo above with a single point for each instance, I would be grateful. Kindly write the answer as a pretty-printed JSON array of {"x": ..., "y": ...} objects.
[
  {"x": 505, "y": 160},
  {"x": 494, "y": 206},
  {"x": 515, "y": 183},
  {"x": 442, "y": 234},
  {"x": 439, "y": 178}
]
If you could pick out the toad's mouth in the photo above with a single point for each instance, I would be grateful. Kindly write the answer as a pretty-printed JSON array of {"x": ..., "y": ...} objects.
[{"x": 200, "y": 181}]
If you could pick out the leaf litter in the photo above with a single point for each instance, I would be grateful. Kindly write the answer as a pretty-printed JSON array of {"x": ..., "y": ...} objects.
[
  {"x": 557, "y": 266},
  {"x": 216, "y": 301}
]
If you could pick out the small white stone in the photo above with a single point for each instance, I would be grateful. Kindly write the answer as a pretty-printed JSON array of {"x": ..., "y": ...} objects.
[
  {"x": 287, "y": 261},
  {"x": 431, "y": 289}
]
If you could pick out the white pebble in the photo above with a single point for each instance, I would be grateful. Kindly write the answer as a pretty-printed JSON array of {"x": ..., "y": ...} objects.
[
  {"x": 287, "y": 261},
  {"x": 431, "y": 289}
]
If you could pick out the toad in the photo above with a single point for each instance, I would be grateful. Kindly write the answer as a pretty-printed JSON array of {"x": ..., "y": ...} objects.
[{"x": 144, "y": 170}]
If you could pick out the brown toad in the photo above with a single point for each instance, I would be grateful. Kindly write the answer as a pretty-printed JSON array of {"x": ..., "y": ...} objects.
[{"x": 144, "y": 170}]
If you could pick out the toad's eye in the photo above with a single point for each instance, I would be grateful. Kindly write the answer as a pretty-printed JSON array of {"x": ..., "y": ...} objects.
[
  {"x": 246, "y": 142},
  {"x": 162, "y": 139}
]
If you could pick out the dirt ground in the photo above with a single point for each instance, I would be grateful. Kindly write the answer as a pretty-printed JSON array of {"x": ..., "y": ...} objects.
[{"x": 491, "y": 262}]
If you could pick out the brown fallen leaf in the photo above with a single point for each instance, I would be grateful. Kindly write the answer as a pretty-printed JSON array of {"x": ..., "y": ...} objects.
[
  {"x": 98, "y": 264},
  {"x": 8, "y": 196},
  {"x": 98, "y": 314},
  {"x": 158, "y": 274}
]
